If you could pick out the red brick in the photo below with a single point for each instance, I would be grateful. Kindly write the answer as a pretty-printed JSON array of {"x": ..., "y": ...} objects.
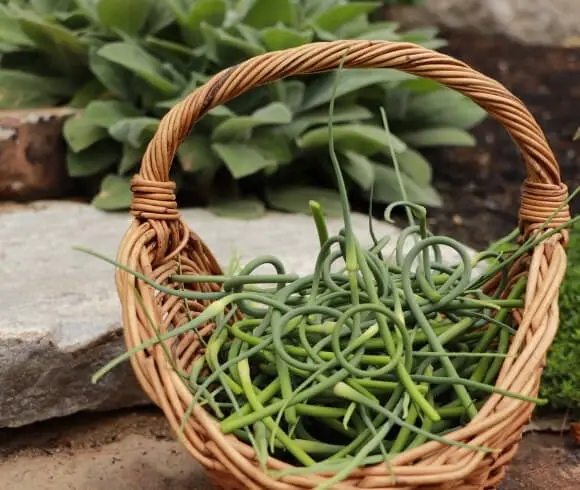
[{"x": 32, "y": 154}]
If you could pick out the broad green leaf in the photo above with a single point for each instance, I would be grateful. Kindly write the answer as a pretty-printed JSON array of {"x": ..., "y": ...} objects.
[
  {"x": 295, "y": 199},
  {"x": 135, "y": 131},
  {"x": 445, "y": 107},
  {"x": 80, "y": 133},
  {"x": 281, "y": 37},
  {"x": 89, "y": 9},
  {"x": 114, "y": 77},
  {"x": 10, "y": 31},
  {"x": 218, "y": 39},
  {"x": 424, "y": 37},
  {"x": 242, "y": 160},
  {"x": 105, "y": 113},
  {"x": 178, "y": 7},
  {"x": 355, "y": 26},
  {"x": 210, "y": 12},
  {"x": 421, "y": 33},
  {"x": 433, "y": 44},
  {"x": 348, "y": 113},
  {"x": 323, "y": 35},
  {"x": 386, "y": 188},
  {"x": 338, "y": 15},
  {"x": 51, "y": 6},
  {"x": 19, "y": 90},
  {"x": 9, "y": 48},
  {"x": 360, "y": 30},
  {"x": 438, "y": 137},
  {"x": 275, "y": 113},
  {"x": 65, "y": 47},
  {"x": 239, "y": 10},
  {"x": 415, "y": 166},
  {"x": 134, "y": 58},
  {"x": 221, "y": 111},
  {"x": 71, "y": 19},
  {"x": 170, "y": 47},
  {"x": 249, "y": 34},
  {"x": 195, "y": 154},
  {"x": 129, "y": 16},
  {"x": 360, "y": 138},
  {"x": 115, "y": 193},
  {"x": 130, "y": 159},
  {"x": 89, "y": 92},
  {"x": 160, "y": 16},
  {"x": 273, "y": 146},
  {"x": 196, "y": 81},
  {"x": 377, "y": 33},
  {"x": 320, "y": 92},
  {"x": 421, "y": 85},
  {"x": 243, "y": 209},
  {"x": 248, "y": 102},
  {"x": 359, "y": 168},
  {"x": 149, "y": 96},
  {"x": 294, "y": 94},
  {"x": 314, "y": 7},
  {"x": 168, "y": 104},
  {"x": 93, "y": 160},
  {"x": 266, "y": 13}
]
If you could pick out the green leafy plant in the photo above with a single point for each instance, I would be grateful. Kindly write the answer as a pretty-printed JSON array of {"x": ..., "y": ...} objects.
[{"x": 124, "y": 63}]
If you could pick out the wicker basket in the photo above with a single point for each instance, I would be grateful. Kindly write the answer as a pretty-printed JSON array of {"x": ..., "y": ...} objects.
[{"x": 158, "y": 236}]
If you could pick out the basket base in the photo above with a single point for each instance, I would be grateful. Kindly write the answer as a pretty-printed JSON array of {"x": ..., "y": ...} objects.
[{"x": 225, "y": 481}]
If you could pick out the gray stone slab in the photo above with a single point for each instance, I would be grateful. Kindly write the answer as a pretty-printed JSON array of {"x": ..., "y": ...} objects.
[
  {"x": 554, "y": 22},
  {"x": 59, "y": 312}
]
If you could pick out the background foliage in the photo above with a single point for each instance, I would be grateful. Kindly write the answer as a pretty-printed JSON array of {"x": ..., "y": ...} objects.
[{"x": 126, "y": 62}]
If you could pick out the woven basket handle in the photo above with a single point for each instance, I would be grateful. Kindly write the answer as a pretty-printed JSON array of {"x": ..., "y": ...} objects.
[{"x": 543, "y": 191}]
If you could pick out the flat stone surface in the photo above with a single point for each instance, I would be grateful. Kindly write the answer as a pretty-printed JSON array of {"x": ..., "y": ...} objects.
[{"x": 60, "y": 315}]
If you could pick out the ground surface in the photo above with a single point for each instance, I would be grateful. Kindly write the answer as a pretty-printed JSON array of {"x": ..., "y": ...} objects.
[
  {"x": 135, "y": 451},
  {"x": 481, "y": 186}
]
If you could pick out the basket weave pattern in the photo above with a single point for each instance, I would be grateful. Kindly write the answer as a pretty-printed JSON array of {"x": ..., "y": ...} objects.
[{"x": 158, "y": 236}]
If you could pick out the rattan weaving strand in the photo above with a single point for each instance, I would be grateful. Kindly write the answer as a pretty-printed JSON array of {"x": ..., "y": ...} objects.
[{"x": 158, "y": 236}]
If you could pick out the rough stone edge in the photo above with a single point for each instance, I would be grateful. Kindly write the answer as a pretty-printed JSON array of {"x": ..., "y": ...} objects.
[{"x": 70, "y": 391}]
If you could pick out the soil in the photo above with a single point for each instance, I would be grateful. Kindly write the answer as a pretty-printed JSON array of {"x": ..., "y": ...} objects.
[
  {"x": 134, "y": 450},
  {"x": 481, "y": 186}
]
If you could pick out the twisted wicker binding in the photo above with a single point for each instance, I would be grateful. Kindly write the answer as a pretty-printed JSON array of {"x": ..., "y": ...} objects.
[{"x": 158, "y": 236}]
